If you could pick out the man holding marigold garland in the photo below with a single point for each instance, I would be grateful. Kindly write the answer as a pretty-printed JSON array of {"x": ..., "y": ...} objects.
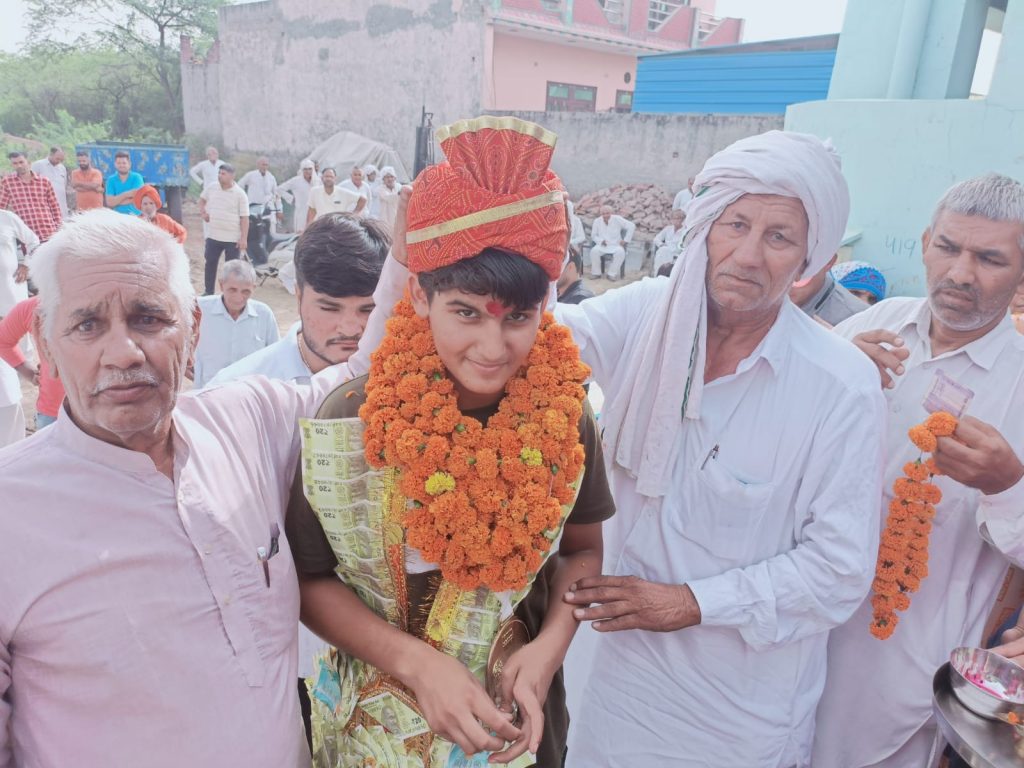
[
  {"x": 458, "y": 490},
  {"x": 876, "y": 709}
]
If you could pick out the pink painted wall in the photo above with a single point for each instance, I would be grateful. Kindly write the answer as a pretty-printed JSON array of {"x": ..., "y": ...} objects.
[
  {"x": 729, "y": 32},
  {"x": 679, "y": 27},
  {"x": 521, "y": 68},
  {"x": 591, "y": 13}
]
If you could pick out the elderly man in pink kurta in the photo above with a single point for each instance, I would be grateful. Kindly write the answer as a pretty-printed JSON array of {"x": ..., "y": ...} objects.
[{"x": 148, "y": 600}]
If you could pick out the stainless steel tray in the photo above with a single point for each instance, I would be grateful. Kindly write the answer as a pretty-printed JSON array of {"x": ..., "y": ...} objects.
[{"x": 981, "y": 743}]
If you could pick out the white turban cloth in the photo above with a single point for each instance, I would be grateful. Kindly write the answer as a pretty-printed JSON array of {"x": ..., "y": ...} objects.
[{"x": 642, "y": 418}]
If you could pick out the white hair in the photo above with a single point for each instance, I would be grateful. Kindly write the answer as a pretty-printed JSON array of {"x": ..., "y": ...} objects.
[
  {"x": 101, "y": 233},
  {"x": 993, "y": 196},
  {"x": 239, "y": 269}
]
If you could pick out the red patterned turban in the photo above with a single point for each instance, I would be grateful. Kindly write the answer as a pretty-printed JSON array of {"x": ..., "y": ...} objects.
[{"x": 494, "y": 191}]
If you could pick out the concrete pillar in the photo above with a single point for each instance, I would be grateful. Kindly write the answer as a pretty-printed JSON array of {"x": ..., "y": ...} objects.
[
  {"x": 1006, "y": 86},
  {"x": 909, "y": 43},
  {"x": 950, "y": 51},
  {"x": 866, "y": 49}
]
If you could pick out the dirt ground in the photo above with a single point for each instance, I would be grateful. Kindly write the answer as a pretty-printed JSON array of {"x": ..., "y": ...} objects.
[{"x": 272, "y": 292}]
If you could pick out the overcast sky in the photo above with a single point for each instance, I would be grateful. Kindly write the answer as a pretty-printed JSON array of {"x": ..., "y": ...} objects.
[{"x": 765, "y": 20}]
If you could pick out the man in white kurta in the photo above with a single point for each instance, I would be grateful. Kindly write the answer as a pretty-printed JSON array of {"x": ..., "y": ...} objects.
[
  {"x": 204, "y": 173},
  {"x": 16, "y": 240},
  {"x": 754, "y": 509},
  {"x": 356, "y": 182},
  {"x": 296, "y": 191},
  {"x": 611, "y": 234},
  {"x": 669, "y": 242},
  {"x": 876, "y": 710},
  {"x": 52, "y": 167}
]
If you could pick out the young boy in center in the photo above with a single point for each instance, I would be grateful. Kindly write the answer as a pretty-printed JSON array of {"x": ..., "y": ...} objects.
[{"x": 447, "y": 501}]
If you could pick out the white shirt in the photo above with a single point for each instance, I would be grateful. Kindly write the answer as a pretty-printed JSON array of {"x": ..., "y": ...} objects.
[
  {"x": 363, "y": 191},
  {"x": 12, "y": 231},
  {"x": 773, "y": 532},
  {"x": 670, "y": 236},
  {"x": 339, "y": 199},
  {"x": 879, "y": 692},
  {"x": 261, "y": 188},
  {"x": 58, "y": 176},
  {"x": 616, "y": 230},
  {"x": 373, "y": 203},
  {"x": 576, "y": 234},
  {"x": 387, "y": 204},
  {"x": 227, "y": 208},
  {"x": 280, "y": 361},
  {"x": 296, "y": 190},
  {"x": 224, "y": 340},
  {"x": 205, "y": 173},
  {"x": 682, "y": 197}
]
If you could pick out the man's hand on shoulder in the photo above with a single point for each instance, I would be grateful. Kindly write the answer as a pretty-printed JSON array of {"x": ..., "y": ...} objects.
[
  {"x": 978, "y": 456},
  {"x": 629, "y": 602},
  {"x": 886, "y": 351}
]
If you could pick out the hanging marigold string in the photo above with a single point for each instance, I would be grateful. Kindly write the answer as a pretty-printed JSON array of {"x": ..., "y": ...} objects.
[
  {"x": 903, "y": 550},
  {"x": 485, "y": 502}
]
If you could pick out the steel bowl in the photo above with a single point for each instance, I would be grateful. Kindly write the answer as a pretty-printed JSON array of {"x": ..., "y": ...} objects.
[{"x": 967, "y": 664}]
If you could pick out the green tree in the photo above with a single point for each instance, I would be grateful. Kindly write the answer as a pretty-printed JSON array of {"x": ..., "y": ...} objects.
[
  {"x": 100, "y": 87},
  {"x": 146, "y": 31}
]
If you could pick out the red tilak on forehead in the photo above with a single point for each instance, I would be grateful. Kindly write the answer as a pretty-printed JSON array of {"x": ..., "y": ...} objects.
[{"x": 497, "y": 309}]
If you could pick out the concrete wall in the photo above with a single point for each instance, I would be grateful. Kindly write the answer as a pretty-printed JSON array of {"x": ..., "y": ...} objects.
[
  {"x": 200, "y": 92},
  {"x": 597, "y": 150},
  {"x": 293, "y": 72},
  {"x": 900, "y": 155},
  {"x": 523, "y": 66}
]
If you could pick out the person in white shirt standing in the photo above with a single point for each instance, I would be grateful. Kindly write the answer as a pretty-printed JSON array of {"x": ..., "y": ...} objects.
[
  {"x": 370, "y": 173},
  {"x": 669, "y": 241},
  {"x": 876, "y": 710},
  {"x": 52, "y": 167},
  {"x": 261, "y": 188},
  {"x": 746, "y": 450},
  {"x": 296, "y": 191},
  {"x": 576, "y": 234},
  {"x": 225, "y": 209},
  {"x": 17, "y": 241},
  {"x": 333, "y": 198},
  {"x": 356, "y": 182},
  {"x": 233, "y": 324},
  {"x": 204, "y": 173},
  {"x": 611, "y": 234},
  {"x": 386, "y": 197},
  {"x": 338, "y": 262}
]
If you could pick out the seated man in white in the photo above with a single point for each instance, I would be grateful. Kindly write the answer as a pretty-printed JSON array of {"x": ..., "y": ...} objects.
[
  {"x": 669, "y": 241},
  {"x": 611, "y": 235}
]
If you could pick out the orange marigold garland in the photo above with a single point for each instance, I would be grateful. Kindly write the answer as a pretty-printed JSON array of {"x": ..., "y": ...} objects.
[
  {"x": 484, "y": 501},
  {"x": 903, "y": 550}
]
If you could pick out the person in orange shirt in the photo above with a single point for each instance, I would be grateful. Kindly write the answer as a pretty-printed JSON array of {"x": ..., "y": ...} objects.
[
  {"x": 14, "y": 326},
  {"x": 87, "y": 183},
  {"x": 147, "y": 200}
]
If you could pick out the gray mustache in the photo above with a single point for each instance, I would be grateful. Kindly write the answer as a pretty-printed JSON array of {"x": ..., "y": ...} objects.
[{"x": 125, "y": 379}]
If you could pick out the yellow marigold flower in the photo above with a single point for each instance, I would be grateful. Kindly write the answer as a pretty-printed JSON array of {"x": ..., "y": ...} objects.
[
  {"x": 439, "y": 482},
  {"x": 532, "y": 457}
]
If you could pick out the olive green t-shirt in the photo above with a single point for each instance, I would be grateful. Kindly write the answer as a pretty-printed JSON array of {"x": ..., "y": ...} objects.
[{"x": 313, "y": 554}]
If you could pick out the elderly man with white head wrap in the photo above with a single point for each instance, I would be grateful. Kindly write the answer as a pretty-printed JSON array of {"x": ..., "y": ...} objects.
[
  {"x": 745, "y": 444},
  {"x": 296, "y": 191},
  {"x": 386, "y": 197}
]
